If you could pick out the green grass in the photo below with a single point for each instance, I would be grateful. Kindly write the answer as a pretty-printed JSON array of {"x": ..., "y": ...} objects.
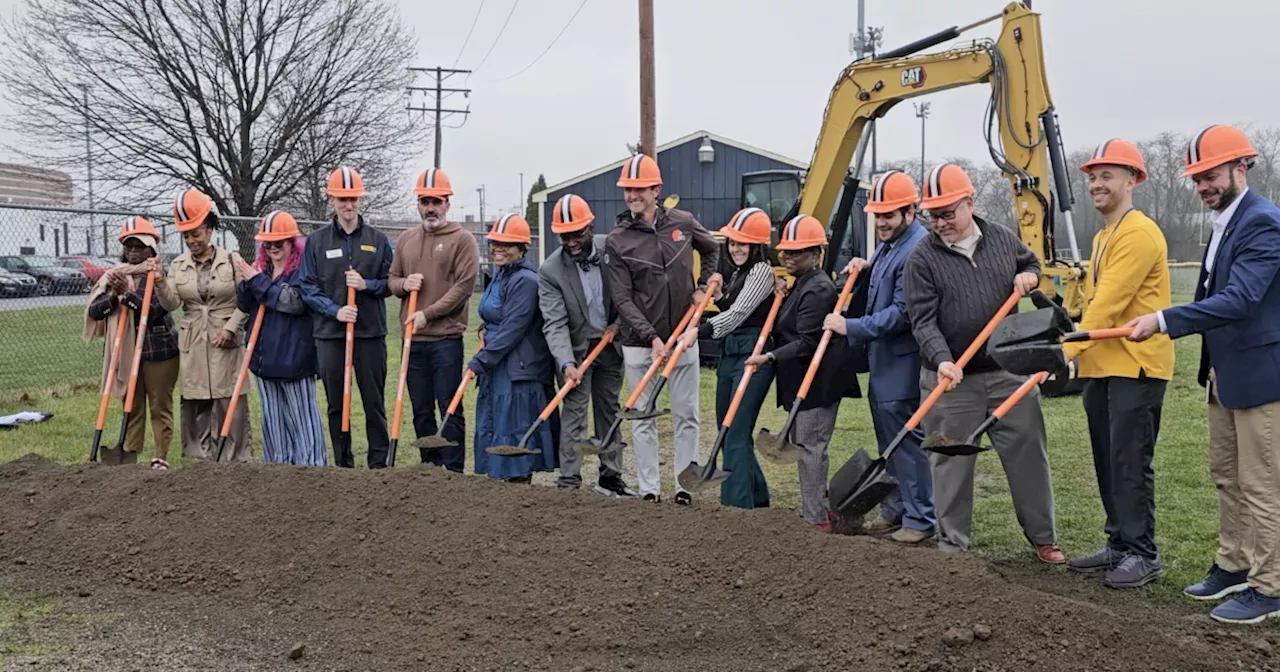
[{"x": 53, "y": 363}]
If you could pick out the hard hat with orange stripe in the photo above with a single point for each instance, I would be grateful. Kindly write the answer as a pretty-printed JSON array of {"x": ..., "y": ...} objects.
[
  {"x": 140, "y": 228},
  {"x": 433, "y": 182},
  {"x": 892, "y": 191},
  {"x": 946, "y": 184},
  {"x": 640, "y": 171},
  {"x": 1118, "y": 152},
  {"x": 570, "y": 214},
  {"x": 749, "y": 225},
  {"x": 345, "y": 182},
  {"x": 277, "y": 225},
  {"x": 801, "y": 233},
  {"x": 510, "y": 228},
  {"x": 1215, "y": 146},
  {"x": 190, "y": 210}
]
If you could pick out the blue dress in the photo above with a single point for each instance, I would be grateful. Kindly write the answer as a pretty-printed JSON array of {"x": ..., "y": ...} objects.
[{"x": 515, "y": 377}]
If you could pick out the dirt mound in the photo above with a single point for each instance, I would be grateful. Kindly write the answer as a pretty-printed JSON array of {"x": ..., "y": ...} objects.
[{"x": 421, "y": 569}]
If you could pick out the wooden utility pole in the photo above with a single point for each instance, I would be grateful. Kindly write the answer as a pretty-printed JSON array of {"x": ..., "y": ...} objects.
[
  {"x": 648, "y": 118},
  {"x": 440, "y": 74}
]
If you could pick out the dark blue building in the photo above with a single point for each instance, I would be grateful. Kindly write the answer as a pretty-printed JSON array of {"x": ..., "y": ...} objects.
[{"x": 709, "y": 189}]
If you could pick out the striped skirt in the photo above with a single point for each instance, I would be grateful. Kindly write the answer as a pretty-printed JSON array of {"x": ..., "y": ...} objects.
[{"x": 292, "y": 432}]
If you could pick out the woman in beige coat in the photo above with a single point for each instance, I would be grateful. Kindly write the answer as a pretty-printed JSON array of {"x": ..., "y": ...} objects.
[{"x": 211, "y": 336}]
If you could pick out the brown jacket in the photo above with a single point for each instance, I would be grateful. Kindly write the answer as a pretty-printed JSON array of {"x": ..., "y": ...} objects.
[
  {"x": 649, "y": 272},
  {"x": 208, "y": 372},
  {"x": 449, "y": 261}
]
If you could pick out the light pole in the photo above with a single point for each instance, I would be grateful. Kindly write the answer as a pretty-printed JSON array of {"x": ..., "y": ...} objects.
[
  {"x": 922, "y": 111},
  {"x": 88, "y": 157}
]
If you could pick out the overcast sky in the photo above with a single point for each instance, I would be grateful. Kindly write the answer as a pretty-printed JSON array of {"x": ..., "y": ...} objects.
[{"x": 760, "y": 71}]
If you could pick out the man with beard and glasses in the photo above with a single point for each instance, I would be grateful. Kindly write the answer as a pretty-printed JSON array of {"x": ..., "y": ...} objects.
[
  {"x": 440, "y": 260},
  {"x": 1237, "y": 310},
  {"x": 1124, "y": 381},
  {"x": 576, "y": 309}
]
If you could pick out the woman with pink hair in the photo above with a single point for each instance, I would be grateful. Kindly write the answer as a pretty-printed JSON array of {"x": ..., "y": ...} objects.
[{"x": 284, "y": 359}]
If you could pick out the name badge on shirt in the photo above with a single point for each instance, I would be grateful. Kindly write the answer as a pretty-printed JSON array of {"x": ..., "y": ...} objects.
[
  {"x": 333, "y": 254},
  {"x": 368, "y": 248}
]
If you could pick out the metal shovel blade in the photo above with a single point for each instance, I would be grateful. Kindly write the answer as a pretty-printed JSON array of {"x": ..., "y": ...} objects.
[
  {"x": 691, "y": 478},
  {"x": 434, "y": 442},
  {"x": 510, "y": 450},
  {"x": 641, "y": 414},
  {"x": 874, "y": 486},
  {"x": 1028, "y": 343},
  {"x": 846, "y": 479},
  {"x": 775, "y": 447},
  {"x": 937, "y": 443},
  {"x": 595, "y": 446}
]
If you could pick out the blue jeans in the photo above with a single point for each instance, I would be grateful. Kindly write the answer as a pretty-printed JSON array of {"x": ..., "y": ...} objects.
[
  {"x": 911, "y": 502},
  {"x": 435, "y": 371}
]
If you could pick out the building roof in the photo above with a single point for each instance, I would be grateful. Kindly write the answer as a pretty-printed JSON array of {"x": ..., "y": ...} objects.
[{"x": 541, "y": 196}]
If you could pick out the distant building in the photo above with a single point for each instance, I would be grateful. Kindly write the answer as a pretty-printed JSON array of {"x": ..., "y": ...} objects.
[{"x": 29, "y": 185}]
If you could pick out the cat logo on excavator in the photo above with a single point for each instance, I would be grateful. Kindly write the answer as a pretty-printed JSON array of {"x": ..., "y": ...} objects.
[{"x": 913, "y": 77}]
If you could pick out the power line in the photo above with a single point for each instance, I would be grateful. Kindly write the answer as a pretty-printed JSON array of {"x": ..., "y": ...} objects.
[
  {"x": 544, "y": 51},
  {"x": 497, "y": 39},
  {"x": 469, "y": 32}
]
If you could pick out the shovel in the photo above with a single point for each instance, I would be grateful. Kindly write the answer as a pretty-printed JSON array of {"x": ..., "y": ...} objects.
[
  {"x": 522, "y": 448},
  {"x": 775, "y": 447},
  {"x": 672, "y": 359},
  {"x": 137, "y": 356},
  {"x": 694, "y": 477},
  {"x": 437, "y": 441},
  {"x": 629, "y": 411},
  {"x": 1028, "y": 343},
  {"x": 946, "y": 446},
  {"x": 244, "y": 373},
  {"x": 346, "y": 373},
  {"x": 857, "y": 490},
  {"x": 113, "y": 365},
  {"x": 404, "y": 375}
]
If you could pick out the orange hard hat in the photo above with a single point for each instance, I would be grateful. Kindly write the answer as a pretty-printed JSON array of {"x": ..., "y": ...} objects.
[
  {"x": 640, "y": 171},
  {"x": 571, "y": 214},
  {"x": 1215, "y": 146},
  {"x": 1118, "y": 152},
  {"x": 345, "y": 182},
  {"x": 892, "y": 191},
  {"x": 749, "y": 225},
  {"x": 138, "y": 226},
  {"x": 946, "y": 184},
  {"x": 190, "y": 210},
  {"x": 802, "y": 233},
  {"x": 433, "y": 182},
  {"x": 511, "y": 228},
  {"x": 277, "y": 225}
]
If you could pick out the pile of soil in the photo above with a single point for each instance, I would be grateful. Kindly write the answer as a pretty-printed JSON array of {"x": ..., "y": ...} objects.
[{"x": 267, "y": 567}]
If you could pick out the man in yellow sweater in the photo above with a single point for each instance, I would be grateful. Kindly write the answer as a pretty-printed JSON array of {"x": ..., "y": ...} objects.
[{"x": 1125, "y": 381}]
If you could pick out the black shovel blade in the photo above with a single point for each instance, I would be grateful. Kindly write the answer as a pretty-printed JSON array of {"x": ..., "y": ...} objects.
[
  {"x": 875, "y": 485},
  {"x": 690, "y": 478},
  {"x": 775, "y": 447},
  {"x": 847, "y": 478},
  {"x": 595, "y": 447},
  {"x": 510, "y": 450},
  {"x": 1028, "y": 343},
  {"x": 641, "y": 413},
  {"x": 434, "y": 442},
  {"x": 936, "y": 443}
]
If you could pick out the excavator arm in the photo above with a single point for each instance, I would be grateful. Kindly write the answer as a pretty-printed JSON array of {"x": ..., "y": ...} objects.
[{"x": 1026, "y": 149}]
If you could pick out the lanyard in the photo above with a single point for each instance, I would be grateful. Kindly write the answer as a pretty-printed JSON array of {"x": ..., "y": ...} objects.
[{"x": 1097, "y": 270}]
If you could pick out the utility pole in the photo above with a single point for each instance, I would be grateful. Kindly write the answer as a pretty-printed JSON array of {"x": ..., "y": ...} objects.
[
  {"x": 922, "y": 111},
  {"x": 648, "y": 117},
  {"x": 88, "y": 157},
  {"x": 440, "y": 75},
  {"x": 862, "y": 44},
  {"x": 480, "y": 190}
]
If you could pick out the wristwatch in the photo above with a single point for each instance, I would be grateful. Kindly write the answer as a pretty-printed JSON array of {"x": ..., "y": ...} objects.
[{"x": 771, "y": 357}]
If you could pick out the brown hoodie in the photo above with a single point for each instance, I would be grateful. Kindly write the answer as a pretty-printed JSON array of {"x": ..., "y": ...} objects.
[{"x": 449, "y": 261}]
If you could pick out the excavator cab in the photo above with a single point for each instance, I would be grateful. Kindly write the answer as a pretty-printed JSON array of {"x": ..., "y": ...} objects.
[{"x": 777, "y": 192}]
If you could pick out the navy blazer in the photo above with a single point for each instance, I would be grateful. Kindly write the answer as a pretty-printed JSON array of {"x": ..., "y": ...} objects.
[
  {"x": 881, "y": 338},
  {"x": 1239, "y": 314},
  {"x": 516, "y": 340}
]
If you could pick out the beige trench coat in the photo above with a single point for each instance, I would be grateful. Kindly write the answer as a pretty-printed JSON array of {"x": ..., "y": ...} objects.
[{"x": 208, "y": 372}]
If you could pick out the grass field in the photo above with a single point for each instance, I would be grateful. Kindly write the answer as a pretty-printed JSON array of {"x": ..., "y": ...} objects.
[{"x": 58, "y": 372}]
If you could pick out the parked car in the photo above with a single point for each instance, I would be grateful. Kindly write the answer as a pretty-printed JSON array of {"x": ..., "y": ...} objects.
[
  {"x": 50, "y": 277},
  {"x": 16, "y": 285},
  {"x": 92, "y": 267}
]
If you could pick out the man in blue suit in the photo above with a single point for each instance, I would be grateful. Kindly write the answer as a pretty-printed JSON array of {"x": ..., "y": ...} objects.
[
  {"x": 879, "y": 334},
  {"x": 1237, "y": 310}
]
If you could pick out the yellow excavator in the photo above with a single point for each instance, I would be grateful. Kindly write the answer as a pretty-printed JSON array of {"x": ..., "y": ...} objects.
[{"x": 1027, "y": 148}]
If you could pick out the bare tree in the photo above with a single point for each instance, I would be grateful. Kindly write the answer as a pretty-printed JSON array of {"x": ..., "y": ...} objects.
[
  {"x": 251, "y": 101},
  {"x": 1266, "y": 173}
]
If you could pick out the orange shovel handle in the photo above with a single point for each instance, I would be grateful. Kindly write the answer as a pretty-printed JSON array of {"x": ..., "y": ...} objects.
[
  {"x": 138, "y": 340},
  {"x": 1098, "y": 334},
  {"x": 821, "y": 350},
  {"x": 244, "y": 370},
  {"x": 586, "y": 364},
  {"x": 404, "y": 365},
  {"x": 657, "y": 363},
  {"x": 750, "y": 369},
  {"x": 346, "y": 371},
  {"x": 1021, "y": 392},
  {"x": 693, "y": 324},
  {"x": 113, "y": 365},
  {"x": 467, "y": 376}
]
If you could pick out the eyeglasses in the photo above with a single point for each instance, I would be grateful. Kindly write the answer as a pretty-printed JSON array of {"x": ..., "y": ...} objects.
[
  {"x": 273, "y": 244},
  {"x": 580, "y": 234},
  {"x": 949, "y": 215}
]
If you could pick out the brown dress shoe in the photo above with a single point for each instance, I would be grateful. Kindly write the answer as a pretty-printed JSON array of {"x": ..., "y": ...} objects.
[{"x": 1051, "y": 554}]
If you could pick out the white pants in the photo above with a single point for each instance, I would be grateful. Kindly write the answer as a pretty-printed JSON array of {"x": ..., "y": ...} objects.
[{"x": 683, "y": 390}]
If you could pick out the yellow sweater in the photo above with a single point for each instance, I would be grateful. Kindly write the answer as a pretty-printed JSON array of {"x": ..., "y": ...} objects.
[{"x": 1128, "y": 277}]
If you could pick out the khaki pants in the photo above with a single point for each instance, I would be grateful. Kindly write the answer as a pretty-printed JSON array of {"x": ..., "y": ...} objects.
[
  {"x": 153, "y": 394},
  {"x": 1244, "y": 461}
]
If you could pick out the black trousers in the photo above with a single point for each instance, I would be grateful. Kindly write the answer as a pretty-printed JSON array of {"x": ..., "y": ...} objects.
[
  {"x": 1124, "y": 422},
  {"x": 435, "y": 371},
  {"x": 369, "y": 374}
]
